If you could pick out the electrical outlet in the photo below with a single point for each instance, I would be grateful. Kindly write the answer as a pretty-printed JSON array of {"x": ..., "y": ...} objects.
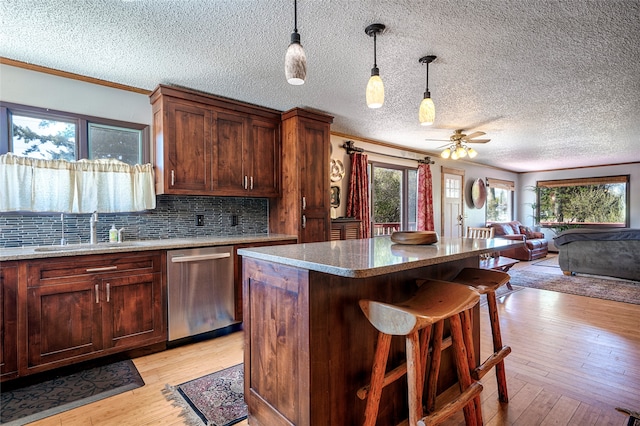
[
  {"x": 199, "y": 220},
  {"x": 234, "y": 220}
]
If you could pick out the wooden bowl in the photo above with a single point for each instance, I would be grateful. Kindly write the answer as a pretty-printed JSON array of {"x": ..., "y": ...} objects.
[{"x": 415, "y": 237}]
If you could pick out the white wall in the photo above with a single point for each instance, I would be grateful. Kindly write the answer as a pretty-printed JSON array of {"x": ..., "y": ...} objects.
[{"x": 21, "y": 86}]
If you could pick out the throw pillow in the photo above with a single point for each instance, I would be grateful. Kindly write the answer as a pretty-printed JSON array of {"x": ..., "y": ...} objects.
[{"x": 528, "y": 232}]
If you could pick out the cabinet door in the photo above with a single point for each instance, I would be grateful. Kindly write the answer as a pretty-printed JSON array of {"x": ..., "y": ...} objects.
[
  {"x": 132, "y": 310},
  {"x": 264, "y": 158},
  {"x": 188, "y": 146},
  {"x": 64, "y": 321},
  {"x": 230, "y": 174},
  {"x": 9, "y": 318},
  {"x": 314, "y": 182}
]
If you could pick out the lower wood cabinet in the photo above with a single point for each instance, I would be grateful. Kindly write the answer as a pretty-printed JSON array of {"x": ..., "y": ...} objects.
[
  {"x": 9, "y": 318},
  {"x": 84, "y": 307}
]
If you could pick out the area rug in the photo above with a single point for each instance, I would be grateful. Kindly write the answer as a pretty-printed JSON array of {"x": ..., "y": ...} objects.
[
  {"x": 601, "y": 288},
  {"x": 53, "y": 395},
  {"x": 216, "y": 399}
]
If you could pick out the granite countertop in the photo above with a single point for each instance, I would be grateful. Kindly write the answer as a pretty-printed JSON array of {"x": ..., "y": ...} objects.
[
  {"x": 374, "y": 256},
  {"x": 38, "y": 252}
]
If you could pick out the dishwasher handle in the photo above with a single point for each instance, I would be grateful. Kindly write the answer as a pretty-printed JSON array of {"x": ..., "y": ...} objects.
[{"x": 197, "y": 257}]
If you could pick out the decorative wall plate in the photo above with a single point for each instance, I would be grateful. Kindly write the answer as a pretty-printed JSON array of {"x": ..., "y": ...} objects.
[
  {"x": 336, "y": 170},
  {"x": 478, "y": 193}
]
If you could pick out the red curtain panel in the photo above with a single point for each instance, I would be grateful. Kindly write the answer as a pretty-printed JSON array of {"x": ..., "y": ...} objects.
[
  {"x": 425, "y": 198},
  {"x": 358, "y": 200}
]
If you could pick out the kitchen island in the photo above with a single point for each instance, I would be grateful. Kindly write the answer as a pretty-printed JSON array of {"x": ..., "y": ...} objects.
[{"x": 308, "y": 346}]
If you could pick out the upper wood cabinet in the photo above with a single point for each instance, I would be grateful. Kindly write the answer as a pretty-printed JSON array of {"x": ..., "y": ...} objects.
[
  {"x": 304, "y": 208},
  {"x": 206, "y": 145}
]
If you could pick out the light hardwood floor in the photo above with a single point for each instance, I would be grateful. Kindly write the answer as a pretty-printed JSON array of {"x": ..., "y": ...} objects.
[{"x": 574, "y": 360}]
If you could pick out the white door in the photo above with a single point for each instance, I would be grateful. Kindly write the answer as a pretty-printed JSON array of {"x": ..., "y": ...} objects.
[{"x": 452, "y": 204}]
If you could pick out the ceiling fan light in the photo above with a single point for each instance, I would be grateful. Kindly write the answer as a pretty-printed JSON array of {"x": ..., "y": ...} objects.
[
  {"x": 472, "y": 153},
  {"x": 454, "y": 155},
  {"x": 427, "y": 112},
  {"x": 295, "y": 62},
  {"x": 446, "y": 153},
  {"x": 461, "y": 152},
  {"x": 375, "y": 92}
]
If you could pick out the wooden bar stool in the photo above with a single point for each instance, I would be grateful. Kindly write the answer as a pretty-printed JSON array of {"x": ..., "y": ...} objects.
[
  {"x": 487, "y": 281},
  {"x": 434, "y": 302}
]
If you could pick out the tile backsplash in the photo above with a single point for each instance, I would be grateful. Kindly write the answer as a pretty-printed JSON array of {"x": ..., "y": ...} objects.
[{"x": 173, "y": 217}]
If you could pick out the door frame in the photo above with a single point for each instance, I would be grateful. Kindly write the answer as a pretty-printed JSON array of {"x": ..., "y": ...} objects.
[{"x": 451, "y": 171}]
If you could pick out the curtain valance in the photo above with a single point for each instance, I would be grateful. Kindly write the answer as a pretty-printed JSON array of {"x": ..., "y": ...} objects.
[{"x": 84, "y": 186}]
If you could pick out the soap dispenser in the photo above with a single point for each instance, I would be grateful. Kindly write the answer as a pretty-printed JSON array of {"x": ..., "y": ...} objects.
[{"x": 113, "y": 234}]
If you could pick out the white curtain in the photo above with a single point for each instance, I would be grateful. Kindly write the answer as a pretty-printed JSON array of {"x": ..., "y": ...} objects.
[{"x": 84, "y": 186}]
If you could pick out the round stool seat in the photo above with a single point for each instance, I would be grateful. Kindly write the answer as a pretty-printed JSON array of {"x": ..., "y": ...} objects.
[
  {"x": 483, "y": 280},
  {"x": 434, "y": 301}
]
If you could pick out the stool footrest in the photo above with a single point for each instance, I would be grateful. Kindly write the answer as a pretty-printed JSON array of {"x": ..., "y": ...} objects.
[
  {"x": 491, "y": 362},
  {"x": 445, "y": 412},
  {"x": 395, "y": 374}
]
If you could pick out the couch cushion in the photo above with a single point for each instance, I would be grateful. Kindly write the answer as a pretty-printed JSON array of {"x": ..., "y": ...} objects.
[{"x": 502, "y": 228}]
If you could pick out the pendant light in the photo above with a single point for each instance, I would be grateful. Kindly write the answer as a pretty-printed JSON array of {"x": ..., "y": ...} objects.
[
  {"x": 427, "y": 113},
  {"x": 375, "y": 87},
  {"x": 295, "y": 61}
]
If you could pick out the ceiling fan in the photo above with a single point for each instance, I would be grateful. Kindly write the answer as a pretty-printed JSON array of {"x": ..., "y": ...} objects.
[{"x": 457, "y": 146}]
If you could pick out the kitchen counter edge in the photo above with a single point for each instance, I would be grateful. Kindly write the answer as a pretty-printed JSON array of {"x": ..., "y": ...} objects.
[{"x": 33, "y": 252}]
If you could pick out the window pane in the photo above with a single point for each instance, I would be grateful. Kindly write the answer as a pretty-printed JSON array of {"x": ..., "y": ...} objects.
[
  {"x": 412, "y": 202},
  {"x": 43, "y": 138},
  {"x": 499, "y": 205},
  {"x": 115, "y": 142},
  {"x": 387, "y": 201}
]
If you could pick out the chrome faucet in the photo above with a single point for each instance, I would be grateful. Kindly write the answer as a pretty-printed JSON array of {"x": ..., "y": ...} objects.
[
  {"x": 63, "y": 241},
  {"x": 94, "y": 235}
]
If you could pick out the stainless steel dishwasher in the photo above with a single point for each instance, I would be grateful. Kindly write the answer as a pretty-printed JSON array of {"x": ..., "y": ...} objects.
[{"x": 201, "y": 290}]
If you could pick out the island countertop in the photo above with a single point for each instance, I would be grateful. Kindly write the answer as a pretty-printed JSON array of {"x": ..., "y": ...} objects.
[{"x": 374, "y": 256}]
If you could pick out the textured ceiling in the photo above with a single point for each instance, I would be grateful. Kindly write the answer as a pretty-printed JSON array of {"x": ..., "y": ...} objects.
[{"x": 553, "y": 83}]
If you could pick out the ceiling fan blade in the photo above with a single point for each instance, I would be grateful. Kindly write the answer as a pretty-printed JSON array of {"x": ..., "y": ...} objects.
[
  {"x": 473, "y": 135},
  {"x": 478, "y": 141},
  {"x": 437, "y": 140}
]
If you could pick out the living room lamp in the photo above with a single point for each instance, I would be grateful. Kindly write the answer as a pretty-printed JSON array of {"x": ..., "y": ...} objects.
[
  {"x": 295, "y": 61},
  {"x": 375, "y": 87},
  {"x": 427, "y": 112}
]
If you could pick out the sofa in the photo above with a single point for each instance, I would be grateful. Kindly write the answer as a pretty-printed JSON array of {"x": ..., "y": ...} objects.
[
  {"x": 608, "y": 252},
  {"x": 535, "y": 245}
]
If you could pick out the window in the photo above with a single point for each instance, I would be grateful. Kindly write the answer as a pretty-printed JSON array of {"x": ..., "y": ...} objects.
[
  {"x": 54, "y": 135},
  {"x": 600, "y": 201},
  {"x": 499, "y": 200},
  {"x": 394, "y": 198}
]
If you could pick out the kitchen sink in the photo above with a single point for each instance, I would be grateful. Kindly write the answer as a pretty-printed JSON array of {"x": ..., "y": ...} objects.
[{"x": 87, "y": 246}]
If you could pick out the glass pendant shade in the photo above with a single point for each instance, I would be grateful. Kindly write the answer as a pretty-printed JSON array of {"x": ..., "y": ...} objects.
[
  {"x": 295, "y": 63},
  {"x": 375, "y": 92},
  {"x": 446, "y": 153},
  {"x": 427, "y": 113},
  {"x": 461, "y": 152},
  {"x": 472, "y": 153},
  {"x": 454, "y": 155}
]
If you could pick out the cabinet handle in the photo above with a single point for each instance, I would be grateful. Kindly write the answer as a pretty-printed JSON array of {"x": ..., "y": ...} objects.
[
  {"x": 108, "y": 292},
  {"x": 173, "y": 177},
  {"x": 304, "y": 203},
  {"x": 97, "y": 293},
  {"x": 105, "y": 268},
  {"x": 251, "y": 186},
  {"x": 245, "y": 182},
  {"x": 304, "y": 221}
]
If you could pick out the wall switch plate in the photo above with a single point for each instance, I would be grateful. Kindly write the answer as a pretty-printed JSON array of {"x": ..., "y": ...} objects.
[{"x": 199, "y": 220}]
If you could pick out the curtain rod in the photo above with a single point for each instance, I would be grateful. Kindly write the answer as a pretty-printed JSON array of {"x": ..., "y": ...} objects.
[{"x": 350, "y": 148}]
